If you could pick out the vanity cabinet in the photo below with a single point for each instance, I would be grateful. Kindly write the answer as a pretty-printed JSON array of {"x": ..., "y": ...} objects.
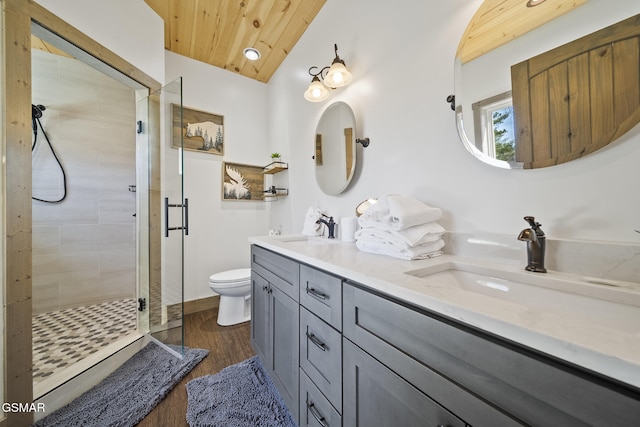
[
  {"x": 275, "y": 317},
  {"x": 482, "y": 379},
  {"x": 344, "y": 354}
]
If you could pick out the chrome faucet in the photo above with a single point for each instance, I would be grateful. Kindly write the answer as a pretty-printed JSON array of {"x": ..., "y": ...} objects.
[
  {"x": 331, "y": 225},
  {"x": 535, "y": 239}
]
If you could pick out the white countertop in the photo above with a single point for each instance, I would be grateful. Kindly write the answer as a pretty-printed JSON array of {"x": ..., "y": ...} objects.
[{"x": 579, "y": 338}]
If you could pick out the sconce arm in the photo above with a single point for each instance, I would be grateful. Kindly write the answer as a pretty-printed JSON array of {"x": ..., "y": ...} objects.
[{"x": 363, "y": 141}]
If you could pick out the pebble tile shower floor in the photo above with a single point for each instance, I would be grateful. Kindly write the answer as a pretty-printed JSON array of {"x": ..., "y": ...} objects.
[{"x": 62, "y": 338}]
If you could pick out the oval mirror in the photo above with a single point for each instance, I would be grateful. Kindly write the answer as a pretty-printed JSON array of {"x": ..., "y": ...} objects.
[
  {"x": 544, "y": 85},
  {"x": 335, "y": 148}
]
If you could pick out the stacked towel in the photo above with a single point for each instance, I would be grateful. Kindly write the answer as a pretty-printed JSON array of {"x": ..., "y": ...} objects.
[
  {"x": 401, "y": 227},
  {"x": 311, "y": 226}
]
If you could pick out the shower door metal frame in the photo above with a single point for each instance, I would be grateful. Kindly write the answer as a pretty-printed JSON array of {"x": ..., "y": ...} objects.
[{"x": 163, "y": 180}]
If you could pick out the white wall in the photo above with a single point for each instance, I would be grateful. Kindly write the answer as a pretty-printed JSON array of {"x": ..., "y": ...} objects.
[
  {"x": 402, "y": 59},
  {"x": 129, "y": 28},
  {"x": 219, "y": 230}
]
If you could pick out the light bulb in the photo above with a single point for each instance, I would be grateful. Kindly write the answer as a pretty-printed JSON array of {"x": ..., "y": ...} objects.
[
  {"x": 316, "y": 91},
  {"x": 337, "y": 76},
  {"x": 251, "y": 53}
]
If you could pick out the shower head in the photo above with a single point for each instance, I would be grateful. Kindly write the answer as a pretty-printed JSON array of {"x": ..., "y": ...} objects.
[{"x": 36, "y": 111}]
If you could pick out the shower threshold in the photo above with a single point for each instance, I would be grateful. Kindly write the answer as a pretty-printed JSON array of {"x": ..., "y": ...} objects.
[{"x": 72, "y": 371}]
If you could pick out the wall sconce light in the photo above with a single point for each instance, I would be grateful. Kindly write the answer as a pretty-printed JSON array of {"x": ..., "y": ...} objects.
[{"x": 334, "y": 76}]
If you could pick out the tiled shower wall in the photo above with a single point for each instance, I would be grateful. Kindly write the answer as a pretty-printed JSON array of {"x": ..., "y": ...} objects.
[{"x": 84, "y": 247}]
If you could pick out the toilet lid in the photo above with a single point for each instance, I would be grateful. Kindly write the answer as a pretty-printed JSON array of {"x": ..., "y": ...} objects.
[{"x": 231, "y": 276}]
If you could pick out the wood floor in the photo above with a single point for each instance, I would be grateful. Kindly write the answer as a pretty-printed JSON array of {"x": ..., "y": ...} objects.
[{"x": 227, "y": 345}]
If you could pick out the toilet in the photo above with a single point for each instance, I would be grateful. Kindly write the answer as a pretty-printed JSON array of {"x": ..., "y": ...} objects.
[{"x": 234, "y": 287}]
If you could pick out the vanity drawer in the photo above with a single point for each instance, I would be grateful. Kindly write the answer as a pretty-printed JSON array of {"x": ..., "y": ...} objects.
[
  {"x": 374, "y": 395},
  {"x": 321, "y": 293},
  {"x": 280, "y": 271},
  {"x": 321, "y": 356},
  {"x": 315, "y": 409},
  {"x": 482, "y": 378}
]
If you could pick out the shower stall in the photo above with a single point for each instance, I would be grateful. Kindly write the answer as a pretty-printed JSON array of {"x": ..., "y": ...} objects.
[{"x": 103, "y": 273}]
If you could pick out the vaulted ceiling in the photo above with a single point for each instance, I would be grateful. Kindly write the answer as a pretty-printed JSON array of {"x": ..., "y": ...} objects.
[
  {"x": 499, "y": 21},
  {"x": 217, "y": 31}
]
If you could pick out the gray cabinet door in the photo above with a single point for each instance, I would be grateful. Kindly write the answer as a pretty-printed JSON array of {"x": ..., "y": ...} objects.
[
  {"x": 376, "y": 396},
  {"x": 260, "y": 326},
  {"x": 315, "y": 409},
  {"x": 321, "y": 356},
  {"x": 284, "y": 354}
]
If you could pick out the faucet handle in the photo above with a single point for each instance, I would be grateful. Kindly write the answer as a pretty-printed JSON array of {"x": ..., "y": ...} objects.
[{"x": 532, "y": 222}]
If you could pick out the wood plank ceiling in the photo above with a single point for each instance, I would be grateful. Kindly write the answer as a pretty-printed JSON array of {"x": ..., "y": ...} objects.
[
  {"x": 499, "y": 21},
  {"x": 217, "y": 31}
]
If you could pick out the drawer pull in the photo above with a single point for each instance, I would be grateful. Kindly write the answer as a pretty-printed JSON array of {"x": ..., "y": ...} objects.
[
  {"x": 314, "y": 412},
  {"x": 314, "y": 293},
  {"x": 316, "y": 342}
]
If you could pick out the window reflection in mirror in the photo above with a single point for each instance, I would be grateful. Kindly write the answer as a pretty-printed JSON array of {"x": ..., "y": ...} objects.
[{"x": 494, "y": 131}]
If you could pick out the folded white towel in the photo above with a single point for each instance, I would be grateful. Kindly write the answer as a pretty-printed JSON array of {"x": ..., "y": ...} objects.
[
  {"x": 399, "y": 212},
  {"x": 311, "y": 226},
  {"x": 428, "y": 250},
  {"x": 410, "y": 236}
]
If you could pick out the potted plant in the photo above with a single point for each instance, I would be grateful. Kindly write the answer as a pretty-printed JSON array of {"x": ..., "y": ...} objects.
[{"x": 275, "y": 156}]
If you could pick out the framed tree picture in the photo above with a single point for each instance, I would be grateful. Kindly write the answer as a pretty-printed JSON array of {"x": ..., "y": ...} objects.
[
  {"x": 242, "y": 182},
  {"x": 201, "y": 131}
]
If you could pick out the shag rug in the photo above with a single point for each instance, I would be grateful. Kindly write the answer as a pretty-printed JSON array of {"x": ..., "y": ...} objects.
[
  {"x": 128, "y": 394},
  {"x": 240, "y": 395}
]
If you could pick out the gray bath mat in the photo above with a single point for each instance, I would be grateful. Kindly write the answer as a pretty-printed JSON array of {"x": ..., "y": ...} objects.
[
  {"x": 240, "y": 395},
  {"x": 130, "y": 392}
]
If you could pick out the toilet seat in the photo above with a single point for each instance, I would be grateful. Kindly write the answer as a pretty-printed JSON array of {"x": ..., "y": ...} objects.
[{"x": 230, "y": 278}]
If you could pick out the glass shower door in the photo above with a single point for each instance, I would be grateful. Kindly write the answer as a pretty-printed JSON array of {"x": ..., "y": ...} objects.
[{"x": 166, "y": 218}]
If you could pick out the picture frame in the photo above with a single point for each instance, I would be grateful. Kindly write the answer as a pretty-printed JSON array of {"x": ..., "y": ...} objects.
[
  {"x": 201, "y": 131},
  {"x": 242, "y": 182}
]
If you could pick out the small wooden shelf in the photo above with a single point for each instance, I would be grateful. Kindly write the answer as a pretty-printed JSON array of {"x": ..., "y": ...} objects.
[
  {"x": 275, "y": 167},
  {"x": 275, "y": 192}
]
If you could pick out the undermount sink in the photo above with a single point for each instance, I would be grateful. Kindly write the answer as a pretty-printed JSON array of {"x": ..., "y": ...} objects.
[
  {"x": 301, "y": 238},
  {"x": 610, "y": 304}
]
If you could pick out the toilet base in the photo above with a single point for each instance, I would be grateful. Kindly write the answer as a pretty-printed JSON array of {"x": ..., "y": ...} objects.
[{"x": 234, "y": 310}]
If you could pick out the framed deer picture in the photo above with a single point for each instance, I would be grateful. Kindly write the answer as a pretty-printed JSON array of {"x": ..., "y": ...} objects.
[
  {"x": 200, "y": 131},
  {"x": 242, "y": 182}
]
